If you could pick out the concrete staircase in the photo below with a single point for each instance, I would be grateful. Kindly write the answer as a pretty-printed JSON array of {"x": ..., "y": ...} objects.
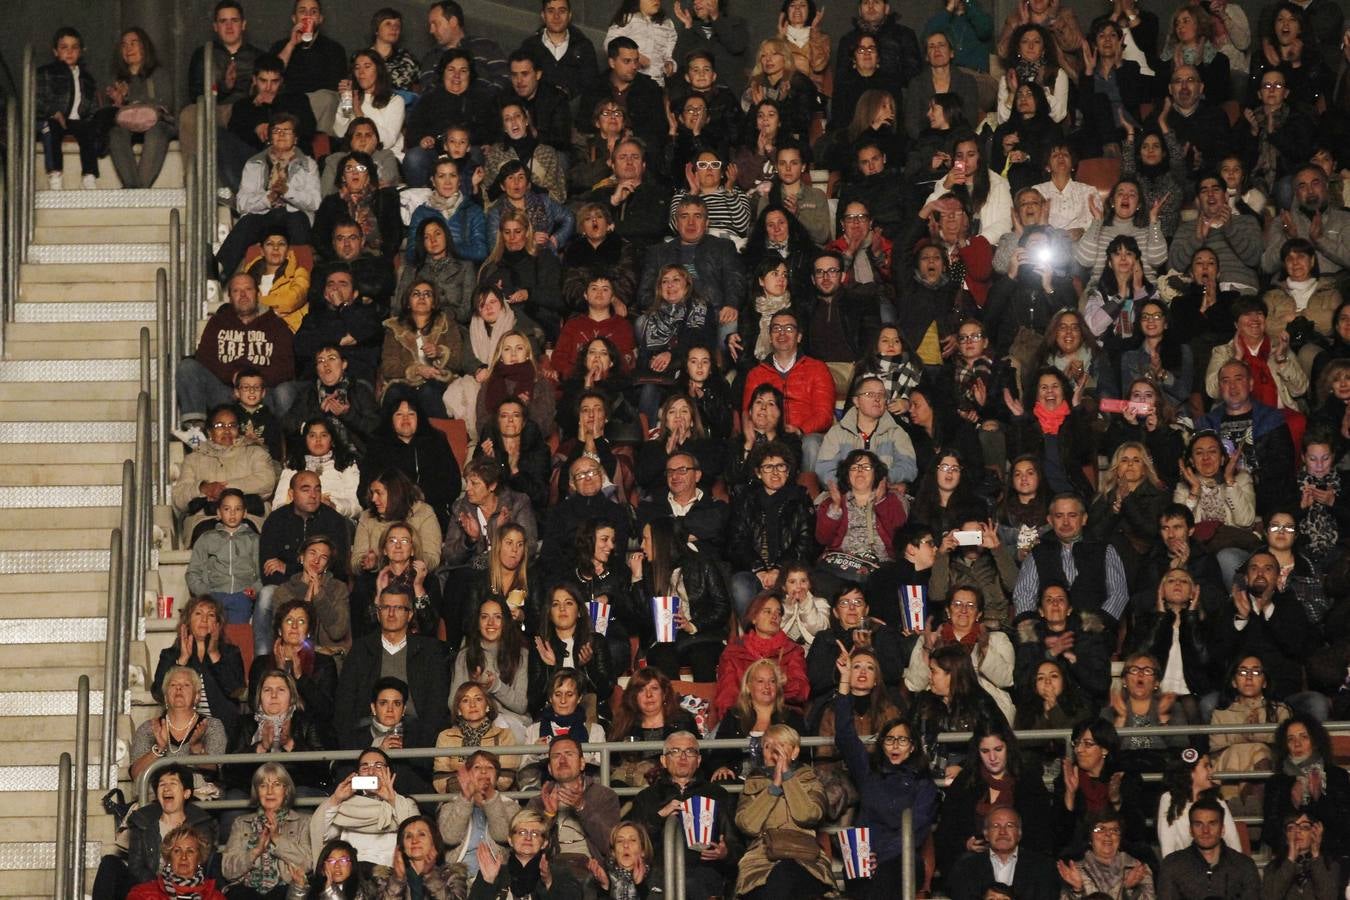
[{"x": 68, "y": 384}]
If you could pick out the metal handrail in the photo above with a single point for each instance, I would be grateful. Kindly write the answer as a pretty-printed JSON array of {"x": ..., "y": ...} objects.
[
  {"x": 27, "y": 156},
  {"x": 61, "y": 878},
  {"x": 80, "y": 790},
  {"x": 9, "y": 290},
  {"x": 107, "y": 773},
  {"x": 164, "y": 400}
]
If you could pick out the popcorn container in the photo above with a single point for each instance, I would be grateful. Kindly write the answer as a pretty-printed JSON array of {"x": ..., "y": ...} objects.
[
  {"x": 914, "y": 606},
  {"x": 663, "y": 613},
  {"x": 164, "y": 607},
  {"x": 599, "y": 613},
  {"x": 699, "y": 817},
  {"x": 855, "y": 847}
]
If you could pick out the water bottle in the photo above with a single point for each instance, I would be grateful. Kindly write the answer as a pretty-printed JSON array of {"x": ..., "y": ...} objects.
[{"x": 345, "y": 106}]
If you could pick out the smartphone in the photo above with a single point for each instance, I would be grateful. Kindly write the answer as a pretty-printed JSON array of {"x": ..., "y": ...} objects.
[
  {"x": 365, "y": 783},
  {"x": 1137, "y": 407},
  {"x": 968, "y": 538}
]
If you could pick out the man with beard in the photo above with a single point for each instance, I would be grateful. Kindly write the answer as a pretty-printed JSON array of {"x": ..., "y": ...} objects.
[
  {"x": 1270, "y": 624},
  {"x": 1313, "y": 218},
  {"x": 372, "y": 273},
  {"x": 1255, "y": 430},
  {"x": 1201, "y": 128},
  {"x": 841, "y": 322},
  {"x": 1235, "y": 239}
]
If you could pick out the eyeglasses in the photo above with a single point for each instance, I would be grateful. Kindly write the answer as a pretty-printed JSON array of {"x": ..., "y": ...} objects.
[
  {"x": 1299, "y": 826},
  {"x": 1106, "y": 831},
  {"x": 872, "y": 395},
  {"x": 832, "y": 270},
  {"x": 586, "y": 475},
  {"x": 860, "y": 467},
  {"x": 849, "y": 603},
  {"x": 388, "y": 608},
  {"x": 679, "y": 470},
  {"x": 897, "y": 740},
  {"x": 970, "y": 337},
  {"x": 1273, "y": 86},
  {"x": 356, "y": 167},
  {"x": 962, "y": 604},
  {"x": 1250, "y": 672},
  {"x": 948, "y": 468},
  {"x": 610, "y": 113},
  {"x": 327, "y": 358},
  {"x": 1151, "y": 317},
  {"x": 533, "y": 834},
  {"x": 784, "y": 329},
  {"x": 714, "y": 164},
  {"x": 686, "y": 752},
  {"x": 1140, "y": 670},
  {"x": 338, "y": 861},
  {"x": 866, "y": 51},
  {"x": 225, "y": 426},
  {"x": 295, "y": 620},
  {"x": 856, "y": 217},
  {"x": 278, "y": 130},
  {"x": 399, "y": 542},
  {"x": 1085, "y": 743},
  {"x": 372, "y": 767},
  {"x": 1282, "y": 529},
  {"x": 773, "y": 467}
]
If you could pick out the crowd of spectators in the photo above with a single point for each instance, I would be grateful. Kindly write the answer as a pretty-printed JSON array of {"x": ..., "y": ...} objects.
[{"x": 809, "y": 372}]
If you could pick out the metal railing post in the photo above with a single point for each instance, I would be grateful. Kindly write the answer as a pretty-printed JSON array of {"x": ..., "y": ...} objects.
[
  {"x": 144, "y": 493},
  {"x": 172, "y": 310},
  {"x": 908, "y": 883},
  {"x": 11, "y": 212},
  {"x": 61, "y": 888},
  {"x": 127, "y": 589},
  {"x": 107, "y": 774},
  {"x": 80, "y": 793},
  {"x": 164, "y": 399},
  {"x": 191, "y": 258},
  {"x": 27, "y": 154},
  {"x": 670, "y": 851},
  {"x": 199, "y": 213}
]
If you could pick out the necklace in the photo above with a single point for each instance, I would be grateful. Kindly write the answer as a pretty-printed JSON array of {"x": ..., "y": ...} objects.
[{"x": 187, "y": 736}]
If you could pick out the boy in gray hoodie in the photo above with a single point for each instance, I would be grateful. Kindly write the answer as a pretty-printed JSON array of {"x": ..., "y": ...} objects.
[{"x": 224, "y": 560}]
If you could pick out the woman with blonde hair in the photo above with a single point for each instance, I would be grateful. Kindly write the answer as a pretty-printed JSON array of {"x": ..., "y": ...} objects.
[
  {"x": 1130, "y": 495},
  {"x": 475, "y": 713},
  {"x": 514, "y": 372},
  {"x": 786, "y": 800},
  {"x": 677, "y": 318},
  {"x": 627, "y": 869},
  {"x": 528, "y": 279},
  {"x": 775, "y": 77},
  {"x": 493, "y": 318},
  {"x": 758, "y": 708}
]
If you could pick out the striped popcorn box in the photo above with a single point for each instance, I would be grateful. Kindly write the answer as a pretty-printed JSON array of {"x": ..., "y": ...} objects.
[
  {"x": 914, "y": 606},
  {"x": 663, "y": 613},
  {"x": 599, "y": 612},
  {"x": 699, "y": 817},
  {"x": 855, "y": 846}
]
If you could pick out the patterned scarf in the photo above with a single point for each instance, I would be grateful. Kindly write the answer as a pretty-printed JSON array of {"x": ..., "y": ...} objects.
[
  {"x": 446, "y": 206},
  {"x": 1267, "y": 166},
  {"x": 278, "y": 175},
  {"x": 265, "y": 872},
  {"x": 766, "y": 307},
  {"x": 278, "y": 723},
  {"x": 1264, "y": 389},
  {"x": 360, "y": 206},
  {"x": 1319, "y": 524},
  {"x": 176, "y": 887},
  {"x": 967, "y": 374},
  {"x": 669, "y": 318},
  {"x": 551, "y": 723},
  {"x": 900, "y": 374},
  {"x": 621, "y": 883},
  {"x": 1310, "y": 777},
  {"x": 473, "y": 735},
  {"x": 1029, "y": 71}
]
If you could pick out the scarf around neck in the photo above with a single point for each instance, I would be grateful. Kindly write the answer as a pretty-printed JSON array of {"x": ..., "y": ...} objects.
[
  {"x": 1264, "y": 389},
  {"x": 473, "y": 735},
  {"x": 552, "y": 724},
  {"x": 177, "y": 887},
  {"x": 1310, "y": 777},
  {"x": 483, "y": 343},
  {"x": 1051, "y": 419},
  {"x": 278, "y": 723},
  {"x": 446, "y": 206}
]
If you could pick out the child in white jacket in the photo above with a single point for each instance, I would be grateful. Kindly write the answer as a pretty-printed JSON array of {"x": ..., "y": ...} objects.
[{"x": 647, "y": 24}]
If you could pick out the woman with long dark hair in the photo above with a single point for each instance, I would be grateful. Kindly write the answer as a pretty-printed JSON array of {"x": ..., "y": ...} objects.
[
  {"x": 434, "y": 255},
  {"x": 407, "y": 443},
  {"x": 1155, "y": 157},
  {"x": 359, "y": 197},
  {"x": 1033, "y": 59},
  {"x": 135, "y": 83},
  {"x": 1306, "y": 779},
  {"x": 495, "y": 657},
  {"x": 567, "y": 640},
  {"x": 336, "y": 876},
  {"x": 1021, "y": 513},
  {"x": 649, "y": 710},
  {"x": 322, "y": 449},
  {"x": 1245, "y": 698},
  {"x": 1092, "y": 782},
  {"x": 1048, "y": 697},
  {"x": 947, "y": 495},
  {"x": 1189, "y": 777},
  {"x": 982, "y": 189},
  {"x": 952, "y": 701},
  {"x": 455, "y": 206},
  {"x": 1112, "y": 305},
  {"x": 991, "y": 775},
  {"x": 423, "y": 352},
  {"x": 1021, "y": 145}
]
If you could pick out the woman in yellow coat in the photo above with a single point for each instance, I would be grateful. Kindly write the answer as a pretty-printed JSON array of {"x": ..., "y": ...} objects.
[{"x": 283, "y": 284}]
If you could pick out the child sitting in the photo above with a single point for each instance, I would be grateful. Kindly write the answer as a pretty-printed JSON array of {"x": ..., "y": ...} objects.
[
  {"x": 257, "y": 424},
  {"x": 224, "y": 560},
  {"x": 66, "y": 102}
]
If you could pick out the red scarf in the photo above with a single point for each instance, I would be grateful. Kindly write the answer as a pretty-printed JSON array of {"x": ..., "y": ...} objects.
[
  {"x": 947, "y": 635},
  {"x": 1005, "y": 786},
  {"x": 1095, "y": 791},
  {"x": 1051, "y": 419},
  {"x": 1264, "y": 389}
]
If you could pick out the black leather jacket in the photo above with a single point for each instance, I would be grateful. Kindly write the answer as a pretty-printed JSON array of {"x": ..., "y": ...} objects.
[
  {"x": 749, "y": 547},
  {"x": 709, "y": 603}
]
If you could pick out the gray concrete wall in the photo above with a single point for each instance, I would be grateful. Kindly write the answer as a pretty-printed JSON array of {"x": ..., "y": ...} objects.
[{"x": 178, "y": 25}]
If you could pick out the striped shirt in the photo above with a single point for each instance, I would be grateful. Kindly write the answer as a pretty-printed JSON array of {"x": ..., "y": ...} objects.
[{"x": 1026, "y": 594}]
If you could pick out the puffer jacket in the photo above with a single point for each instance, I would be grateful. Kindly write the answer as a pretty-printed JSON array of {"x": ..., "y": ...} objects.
[
  {"x": 443, "y": 348},
  {"x": 750, "y": 546},
  {"x": 245, "y": 467},
  {"x": 468, "y": 230},
  {"x": 289, "y": 296},
  {"x": 888, "y": 441},
  {"x": 224, "y": 561}
]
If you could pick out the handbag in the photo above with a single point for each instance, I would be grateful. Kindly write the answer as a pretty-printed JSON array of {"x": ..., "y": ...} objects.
[
  {"x": 138, "y": 117},
  {"x": 852, "y": 567},
  {"x": 790, "y": 844}
]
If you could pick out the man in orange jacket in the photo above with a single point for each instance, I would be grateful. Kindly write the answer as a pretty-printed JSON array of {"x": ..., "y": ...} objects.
[{"x": 808, "y": 388}]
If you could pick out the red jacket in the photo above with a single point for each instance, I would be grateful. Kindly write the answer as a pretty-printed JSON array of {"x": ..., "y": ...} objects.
[
  {"x": 579, "y": 331},
  {"x": 154, "y": 890},
  {"x": 808, "y": 392},
  {"x": 738, "y": 656},
  {"x": 890, "y": 516}
]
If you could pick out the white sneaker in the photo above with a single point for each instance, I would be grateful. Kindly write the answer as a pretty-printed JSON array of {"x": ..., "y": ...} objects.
[
  {"x": 54, "y": 181},
  {"x": 192, "y": 435},
  {"x": 224, "y": 195},
  {"x": 88, "y": 183}
]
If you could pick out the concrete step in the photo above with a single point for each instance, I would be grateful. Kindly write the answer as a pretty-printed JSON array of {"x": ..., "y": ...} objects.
[
  {"x": 62, "y": 368},
  {"x": 99, "y": 828},
  {"x": 122, "y": 234},
  {"x": 50, "y": 678},
  {"x": 49, "y": 583},
  {"x": 65, "y": 496},
  {"x": 90, "y": 604},
  {"x": 109, "y": 410},
  {"x": 106, "y": 253},
  {"x": 74, "y": 538},
  {"x": 63, "y": 392},
  {"x": 69, "y": 332},
  {"x": 50, "y": 728},
  {"x": 139, "y": 312},
  {"x": 107, "y": 219},
  {"x": 58, "y": 519},
  {"x": 71, "y": 561},
  {"x": 87, "y": 290},
  {"x": 24, "y": 448},
  {"x": 35, "y": 474},
  {"x": 89, "y": 272},
  {"x": 114, "y": 348},
  {"x": 40, "y": 753},
  {"x": 171, "y": 175}
]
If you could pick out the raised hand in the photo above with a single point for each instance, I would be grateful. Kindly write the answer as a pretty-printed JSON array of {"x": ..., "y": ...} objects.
[
  {"x": 489, "y": 866},
  {"x": 1014, "y": 405},
  {"x": 1155, "y": 208},
  {"x": 1069, "y": 872},
  {"x": 593, "y": 865}
]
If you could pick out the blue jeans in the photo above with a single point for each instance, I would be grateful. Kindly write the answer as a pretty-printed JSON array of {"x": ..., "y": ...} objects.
[
  {"x": 238, "y": 607},
  {"x": 810, "y": 450},
  {"x": 200, "y": 391}
]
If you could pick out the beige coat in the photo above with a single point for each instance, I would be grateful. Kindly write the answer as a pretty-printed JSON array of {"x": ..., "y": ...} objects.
[
  {"x": 246, "y": 467},
  {"x": 447, "y": 767},
  {"x": 291, "y": 843},
  {"x": 800, "y": 807},
  {"x": 426, "y": 534},
  {"x": 1321, "y": 308},
  {"x": 1290, "y": 379}
]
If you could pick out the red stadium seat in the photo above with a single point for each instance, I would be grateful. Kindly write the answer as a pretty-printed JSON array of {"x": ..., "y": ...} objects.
[
  {"x": 457, "y": 435},
  {"x": 242, "y": 637},
  {"x": 1100, "y": 172}
]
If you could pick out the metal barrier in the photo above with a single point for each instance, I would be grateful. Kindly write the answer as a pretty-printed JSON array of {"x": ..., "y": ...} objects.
[
  {"x": 27, "y": 157},
  {"x": 20, "y": 164}
]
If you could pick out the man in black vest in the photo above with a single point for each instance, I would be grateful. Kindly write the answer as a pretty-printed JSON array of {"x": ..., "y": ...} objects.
[{"x": 1091, "y": 569}]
